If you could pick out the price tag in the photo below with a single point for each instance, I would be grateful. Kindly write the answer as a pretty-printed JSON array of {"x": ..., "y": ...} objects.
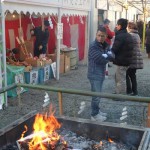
[{"x": 59, "y": 30}]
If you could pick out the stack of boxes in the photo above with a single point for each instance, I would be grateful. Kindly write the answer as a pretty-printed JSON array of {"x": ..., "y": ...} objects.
[{"x": 42, "y": 69}]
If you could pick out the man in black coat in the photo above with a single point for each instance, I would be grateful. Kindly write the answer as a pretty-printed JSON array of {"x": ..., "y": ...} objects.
[
  {"x": 122, "y": 48},
  {"x": 42, "y": 36}
]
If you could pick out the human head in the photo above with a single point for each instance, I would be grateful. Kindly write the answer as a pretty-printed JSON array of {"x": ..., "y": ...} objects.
[
  {"x": 132, "y": 25},
  {"x": 122, "y": 24},
  {"x": 106, "y": 21},
  {"x": 101, "y": 34}
]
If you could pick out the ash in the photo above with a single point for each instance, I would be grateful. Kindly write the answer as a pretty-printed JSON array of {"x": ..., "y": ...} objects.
[{"x": 83, "y": 143}]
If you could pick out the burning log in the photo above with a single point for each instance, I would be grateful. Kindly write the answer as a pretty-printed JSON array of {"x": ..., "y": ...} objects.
[{"x": 49, "y": 144}]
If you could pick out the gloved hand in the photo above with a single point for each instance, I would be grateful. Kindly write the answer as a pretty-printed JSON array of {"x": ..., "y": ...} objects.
[
  {"x": 109, "y": 53},
  {"x": 105, "y": 55}
]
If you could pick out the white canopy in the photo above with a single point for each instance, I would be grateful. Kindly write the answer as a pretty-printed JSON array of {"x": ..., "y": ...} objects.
[{"x": 67, "y": 7}]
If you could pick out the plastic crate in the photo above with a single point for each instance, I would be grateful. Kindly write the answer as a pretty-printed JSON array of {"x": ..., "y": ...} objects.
[
  {"x": 41, "y": 75},
  {"x": 31, "y": 77}
]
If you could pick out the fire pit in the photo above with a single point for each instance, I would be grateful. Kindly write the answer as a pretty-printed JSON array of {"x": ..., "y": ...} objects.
[{"x": 135, "y": 138}]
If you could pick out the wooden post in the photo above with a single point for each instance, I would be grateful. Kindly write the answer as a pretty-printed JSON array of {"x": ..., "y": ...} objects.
[
  {"x": 148, "y": 116},
  {"x": 60, "y": 103}
]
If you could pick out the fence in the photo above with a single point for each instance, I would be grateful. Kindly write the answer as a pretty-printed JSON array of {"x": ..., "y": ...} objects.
[{"x": 83, "y": 93}]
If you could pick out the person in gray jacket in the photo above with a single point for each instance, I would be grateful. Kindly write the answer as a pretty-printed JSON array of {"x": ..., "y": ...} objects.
[
  {"x": 98, "y": 57},
  {"x": 147, "y": 40},
  {"x": 136, "y": 61}
]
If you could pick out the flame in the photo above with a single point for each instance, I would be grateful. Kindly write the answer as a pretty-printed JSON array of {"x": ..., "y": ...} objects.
[
  {"x": 44, "y": 127},
  {"x": 110, "y": 140},
  {"x": 44, "y": 132},
  {"x": 26, "y": 129}
]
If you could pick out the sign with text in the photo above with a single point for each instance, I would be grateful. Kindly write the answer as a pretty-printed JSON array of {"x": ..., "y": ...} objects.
[
  {"x": 34, "y": 77},
  {"x": 59, "y": 30},
  {"x": 53, "y": 65},
  {"x": 1, "y": 101},
  {"x": 46, "y": 73}
]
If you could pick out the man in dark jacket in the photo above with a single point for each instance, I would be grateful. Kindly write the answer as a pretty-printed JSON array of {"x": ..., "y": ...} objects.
[
  {"x": 98, "y": 57},
  {"x": 42, "y": 36},
  {"x": 122, "y": 48}
]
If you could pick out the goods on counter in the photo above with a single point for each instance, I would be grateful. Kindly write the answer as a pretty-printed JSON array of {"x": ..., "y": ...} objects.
[{"x": 36, "y": 62}]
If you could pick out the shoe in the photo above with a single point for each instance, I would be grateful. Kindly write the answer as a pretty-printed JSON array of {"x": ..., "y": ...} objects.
[
  {"x": 114, "y": 93},
  {"x": 133, "y": 94},
  {"x": 129, "y": 93},
  {"x": 98, "y": 117},
  {"x": 102, "y": 113}
]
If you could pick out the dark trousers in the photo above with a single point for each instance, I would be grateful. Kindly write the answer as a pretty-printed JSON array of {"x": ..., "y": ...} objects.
[{"x": 131, "y": 81}]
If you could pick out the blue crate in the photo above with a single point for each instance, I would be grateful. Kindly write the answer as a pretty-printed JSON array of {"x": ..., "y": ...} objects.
[
  {"x": 27, "y": 77},
  {"x": 41, "y": 75},
  {"x": 31, "y": 77}
]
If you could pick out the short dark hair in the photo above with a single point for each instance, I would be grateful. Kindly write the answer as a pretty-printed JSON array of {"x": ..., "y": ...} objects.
[
  {"x": 123, "y": 22},
  {"x": 132, "y": 25},
  {"x": 102, "y": 29},
  {"x": 106, "y": 21}
]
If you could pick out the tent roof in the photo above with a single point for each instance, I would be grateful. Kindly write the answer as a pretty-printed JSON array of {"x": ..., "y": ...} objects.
[{"x": 46, "y": 7}]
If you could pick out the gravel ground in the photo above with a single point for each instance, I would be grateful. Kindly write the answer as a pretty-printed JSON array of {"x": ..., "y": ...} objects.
[{"x": 76, "y": 79}]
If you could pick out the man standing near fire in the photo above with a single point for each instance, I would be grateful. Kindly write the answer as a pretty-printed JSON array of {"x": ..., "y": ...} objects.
[
  {"x": 42, "y": 35},
  {"x": 98, "y": 57}
]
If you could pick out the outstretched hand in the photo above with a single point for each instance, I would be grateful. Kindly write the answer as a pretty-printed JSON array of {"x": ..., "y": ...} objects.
[{"x": 105, "y": 55}]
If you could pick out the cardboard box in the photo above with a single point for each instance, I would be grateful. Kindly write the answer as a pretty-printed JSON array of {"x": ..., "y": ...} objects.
[
  {"x": 52, "y": 57},
  {"x": 67, "y": 63},
  {"x": 30, "y": 48},
  {"x": 64, "y": 67},
  {"x": 47, "y": 62},
  {"x": 28, "y": 68},
  {"x": 34, "y": 62}
]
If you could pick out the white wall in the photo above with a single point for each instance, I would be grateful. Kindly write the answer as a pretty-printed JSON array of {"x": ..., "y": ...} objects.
[
  {"x": 111, "y": 17},
  {"x": 110, "y": 14},
  {"x": 93, "y": 21}
]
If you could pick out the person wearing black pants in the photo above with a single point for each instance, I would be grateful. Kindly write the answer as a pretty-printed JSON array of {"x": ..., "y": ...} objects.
[
  {"x": 136, "y": 61},
  {"x": 131, "y": 82}
]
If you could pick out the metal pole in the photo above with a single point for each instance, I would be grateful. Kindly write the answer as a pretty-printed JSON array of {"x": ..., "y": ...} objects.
[
  {"x": 126, "y": 13},
  {"x": 144, "y": 26},
  {"x": 4, "y": 52},
  {"x": 88, "y": 93},
  {"x": 58, "y": 48},
  {"x": 144, "y": 29},
  {"x": 5, "y": 89}
]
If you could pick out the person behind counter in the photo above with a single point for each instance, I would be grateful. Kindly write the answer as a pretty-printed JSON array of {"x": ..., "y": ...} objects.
[{"x": 42, "y": 36}]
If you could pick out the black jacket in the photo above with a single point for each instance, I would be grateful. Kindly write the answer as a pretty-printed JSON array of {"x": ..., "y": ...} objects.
[{"x": 122, "y": 48}]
